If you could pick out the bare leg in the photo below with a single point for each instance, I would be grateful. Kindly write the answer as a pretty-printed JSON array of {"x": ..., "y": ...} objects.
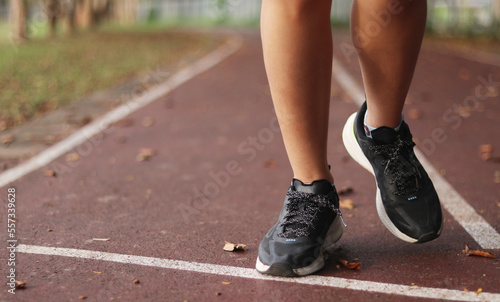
[
  {"x": 297, "y": 46},
  {"x": 388, "y": 35}
]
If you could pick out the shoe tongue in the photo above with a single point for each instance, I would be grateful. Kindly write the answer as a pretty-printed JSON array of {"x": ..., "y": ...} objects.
[
  {"x": 322, "y": 187},
  {"x": 384, "y": 135}
]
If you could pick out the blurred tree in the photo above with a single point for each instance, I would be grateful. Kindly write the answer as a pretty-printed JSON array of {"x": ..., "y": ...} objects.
[
  {"x": 53, "y": 12},
  {"x": 124, "y": 11},
  {"x": 17, "y": 19},
  {"x": 90, "y": 13}
]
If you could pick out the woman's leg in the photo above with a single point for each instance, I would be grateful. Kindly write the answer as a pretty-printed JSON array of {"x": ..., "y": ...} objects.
[
  {"x": 388, "y": 35},
  {"x": 297, "y": 46}
]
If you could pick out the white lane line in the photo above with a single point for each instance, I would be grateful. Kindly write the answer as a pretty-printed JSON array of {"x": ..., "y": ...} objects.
[
  {"x": 242, "y": 272},
  {"x": 484, "y": 234},
  {"x": 100, "y": 124}
]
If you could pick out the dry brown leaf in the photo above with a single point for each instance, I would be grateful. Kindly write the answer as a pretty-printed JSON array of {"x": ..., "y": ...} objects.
[
  {"x": 19, "y": 284},
  {"x": 481, "y": 254},
  {"x": 50, "y": 173},
  {"x": 145, "y": 154},
  {"x": 72, "y": 157},
  {"x": 345, "y": 191},
  {"x": 486, "y": 151},
  {"x": 487, "y": 148},
  {"x": 82, "y": 297},
  {"x": 486, "y": 156},
  {"x": 270, "y": 164},
  {"x": 496, "y": 177},
  {"x": 218, "y": 293},
  {"x": 467, "y": 251},
  {"x": 148, "y": 121},
  {"x": 346, "y": 204},
  {"x": 226, "y": 282},
  {"x": 136, "y": 281},
  {"x": 350, "y": 265},
  {"x": 7, "y": 139},
  {"x": 463, "y": 111},
  {"x": 235, "y": 247}
]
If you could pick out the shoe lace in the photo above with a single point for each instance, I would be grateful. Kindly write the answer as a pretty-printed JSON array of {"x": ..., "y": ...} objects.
[
  {"x": 401, "y": 169},
  {"x": 303, "y": 211}
]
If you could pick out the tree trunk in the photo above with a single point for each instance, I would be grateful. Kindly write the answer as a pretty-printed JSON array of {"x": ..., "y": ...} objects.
[
  {"x": 69, "y": 8},
  {"x": 52, "y": 10},
  {"x": 84, "y": 13},
  {"x": 17, "y": 19}
]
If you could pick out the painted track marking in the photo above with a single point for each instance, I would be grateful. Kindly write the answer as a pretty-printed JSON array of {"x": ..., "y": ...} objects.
[
  {"x": 250, "y": 273},
  {"x": 477, "y": 227},
  {"x": 470, "y": 220},
  {"x": 100, "y": 124}
]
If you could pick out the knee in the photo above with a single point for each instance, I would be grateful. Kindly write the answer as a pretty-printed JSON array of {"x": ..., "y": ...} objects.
[{"x": 299, "y": 10}]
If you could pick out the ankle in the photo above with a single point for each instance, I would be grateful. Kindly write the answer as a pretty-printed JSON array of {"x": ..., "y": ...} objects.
[{"x": 311, "y": 177}]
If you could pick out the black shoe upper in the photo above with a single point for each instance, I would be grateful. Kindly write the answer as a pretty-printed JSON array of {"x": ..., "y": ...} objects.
[
  {"x": 407, "y": 192},
  {"x": 296, "y": 239}
]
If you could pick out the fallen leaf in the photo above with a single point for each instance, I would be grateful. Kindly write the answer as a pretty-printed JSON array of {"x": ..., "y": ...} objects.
[
  {"x": 235, "y": 247},
  {"x": 7, "y": 139},
  {"x": 50, "y": 173},
  {"x": 82, "y": 297},
  {"x": 492, "y": 91},
  {"x": 350, "y": 265},
  {"x": 467, "y": 251},
  {"x": 136, "y": 281},
  {"x": 148, "y": 121},
  {"x": 97, "y": 272},
  {"x": 345, "y": 191},
  {"x": 270, "y": 164},
  {"x": 346, "y": 204},
  {"x": 145, "y": 154},
  {"x": 463, "y": 111},
  {"x": 479, "y": 290},
  {"x": 486, "y": 151},
  {"x": 20, "y": 284},
  {"x": 72, "y": 157},
  {"x": 218, "y": 293},
  {"x": 226, "y": 282},
  {"x": 415, "y": 114},
  {"x": 487, "y": 148},
  {"x": 486, "y": 156},
  {"x": 101, "y": 239},
  {"x": 481, "y": 254},
  {"x": 496, "y": 177},
  {"x": 49, "y": 230}
]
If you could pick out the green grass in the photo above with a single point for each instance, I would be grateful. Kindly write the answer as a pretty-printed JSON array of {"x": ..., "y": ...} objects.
[{"x": 41, "y": 74}]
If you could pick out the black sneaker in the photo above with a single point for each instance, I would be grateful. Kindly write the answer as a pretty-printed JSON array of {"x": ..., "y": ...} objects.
[
  {"x": 407, "y": 202},
  {"x": 308, "y": 226}
]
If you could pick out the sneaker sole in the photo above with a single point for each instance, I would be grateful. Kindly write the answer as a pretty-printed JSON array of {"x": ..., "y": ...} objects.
[
  {"x": 285, "y": 270},
  {"x": 354, "y": 150}
]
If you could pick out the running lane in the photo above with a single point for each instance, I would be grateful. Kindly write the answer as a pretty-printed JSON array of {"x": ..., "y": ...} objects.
[{"x": 219, "y": 174}]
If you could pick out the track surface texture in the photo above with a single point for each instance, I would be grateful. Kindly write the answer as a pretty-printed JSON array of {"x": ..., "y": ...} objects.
[{"x": 219, "y": 173}]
